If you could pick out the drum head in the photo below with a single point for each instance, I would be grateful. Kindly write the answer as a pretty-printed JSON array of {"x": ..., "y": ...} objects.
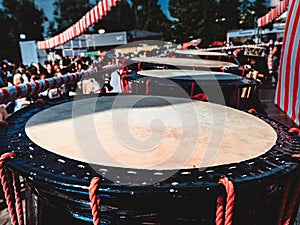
[
  {"x": 147, "y": 132},
  {"x": 186, "y": 62},
  {"x": 190, "y": 75},
  {"x": 200, "y": 53}
]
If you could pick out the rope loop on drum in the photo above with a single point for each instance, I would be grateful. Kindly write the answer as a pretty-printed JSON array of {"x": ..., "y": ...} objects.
[
  {"x": 294, "y": 130},
  {"x": 228, "y": 213},
  {"x": 200, "y": 97},
  {"x": 290, "y": 199},
  {"x": 95, "y": 200},
  {"x": 251, "y": 111},
  {"x": 13, "y": 199},
  {"x": 147, "y": 91}
]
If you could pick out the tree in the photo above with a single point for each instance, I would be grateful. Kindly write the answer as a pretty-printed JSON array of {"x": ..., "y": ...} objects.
[
  {"x": 212, "y": 26},
  {"x": 19, "y": 17},
  {"x": 189, "y": 21},
  {"x": 68, "y": 12},
  {"x": 211, "y": 19},
  {"x": 260, "y": 8},
  {"x": 141, "y": 14},
  {"x": 206, "y": 19},
  {"x": 120, "y": 18},
  {"x": 148, "y": 16},
  {"x": 247, "y": 15},
  {"x": 227, "y": 17}
]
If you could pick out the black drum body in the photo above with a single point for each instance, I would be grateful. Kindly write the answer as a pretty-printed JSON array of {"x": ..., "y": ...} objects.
[
  {"x": 136, "y": 67},
  {"x": 222, "y": 88},
  {"x": 57, "y": 187}
]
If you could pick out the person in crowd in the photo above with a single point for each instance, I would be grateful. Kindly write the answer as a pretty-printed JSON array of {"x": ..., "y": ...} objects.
[
  {"x": 21, "y": 102},
  {"x": 50, "y": 72},
  {"x": 22, "y": 70},
  {"x": 273, "y": 64},
  {"x": 2, "y": 75}
]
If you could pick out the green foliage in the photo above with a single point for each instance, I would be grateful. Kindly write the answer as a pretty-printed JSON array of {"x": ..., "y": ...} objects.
[
  {"x": 211, "y": 19},
  {"x": 19, "y": 17},
  {"x": 189, "y": 21},
  {"x": 148, "y": 16},
  {"x": 143, "y": 14},
  {"x": 67, "y": 12},
  {"x": 120, "y": 18},
  {"x": 259, "y": 6},
  {"x": 207, "y": 19}
]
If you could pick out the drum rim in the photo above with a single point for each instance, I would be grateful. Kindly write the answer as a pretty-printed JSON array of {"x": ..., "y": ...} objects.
[
  {"x": 201, "y": 79},
  {"x": 26, "y": 165},
  {"x": 175, "y": 62}
]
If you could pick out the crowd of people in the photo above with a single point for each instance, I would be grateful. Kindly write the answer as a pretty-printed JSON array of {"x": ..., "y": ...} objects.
[
  {"x": 262, "y": 67},
  {"x": 16, "y": 74}
]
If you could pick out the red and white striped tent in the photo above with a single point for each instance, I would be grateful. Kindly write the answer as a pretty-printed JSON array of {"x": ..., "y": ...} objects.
[
  {"x": 288, "y": 88},
  {"x": 273, "y": 14},
  {"x": 91, "y": 17}
]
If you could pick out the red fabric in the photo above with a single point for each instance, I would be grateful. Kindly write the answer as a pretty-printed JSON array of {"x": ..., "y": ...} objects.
[
  {"x": 273, "y": 14},
  {"x": 287, "y": 90}
]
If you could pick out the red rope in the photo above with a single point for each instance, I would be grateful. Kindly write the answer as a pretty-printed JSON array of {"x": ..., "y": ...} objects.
[
  {"x": 147, "y": 91},
  {"x": 7, "y": 191},
  {"x": 220, "y": 211},
  {"x": 284, "y": 202},
  {"x": 200, "y": 97},
  {"x": 242, "y": 71},
  {"x": 252, "y": 111},
  {"x": 19, "y": 207},
  {"x": 294, "y": 130},
  {"x": 124, "y": 84},
  {"x": 229, "y": 203},
  {"x": 293, "y": 201},
  {"x": 291, "y": 207},
  {"x": 192, "y": 89},
  {"x": 95, "y": 201}
]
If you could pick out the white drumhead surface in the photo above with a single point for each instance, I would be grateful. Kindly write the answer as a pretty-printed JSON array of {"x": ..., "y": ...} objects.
[
  {"x": 150, "y": 132},
  {"x": 189, "y": 75},
  {"x": 185, "y": 62}
]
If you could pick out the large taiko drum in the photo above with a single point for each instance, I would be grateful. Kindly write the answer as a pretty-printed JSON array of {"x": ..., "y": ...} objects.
[
  {"x": 148, "y": 63},
  {"x": 218, "y": 87},
  {"x": 159, "y": 160}
]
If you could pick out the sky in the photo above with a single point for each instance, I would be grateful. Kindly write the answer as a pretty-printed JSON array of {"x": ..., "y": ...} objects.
[{"x": 47, "y": 6}]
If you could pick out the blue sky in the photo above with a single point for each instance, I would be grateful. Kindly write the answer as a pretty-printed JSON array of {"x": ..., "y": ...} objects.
[{"x": 47, "y": 6}]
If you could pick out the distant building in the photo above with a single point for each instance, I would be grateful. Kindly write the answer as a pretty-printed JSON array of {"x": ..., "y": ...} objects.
[
  {"x": 256, "y": 35},
  {"x": 92, "y": 42},
  {"x": 138, "y": 35}
]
